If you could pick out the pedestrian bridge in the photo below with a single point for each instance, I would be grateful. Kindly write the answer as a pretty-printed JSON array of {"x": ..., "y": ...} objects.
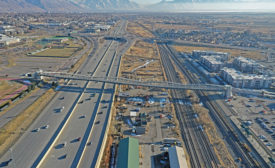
[{"x": 227, "y": 89}]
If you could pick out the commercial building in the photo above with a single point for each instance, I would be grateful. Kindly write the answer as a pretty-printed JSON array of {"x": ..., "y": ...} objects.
[
  {"x": 247, "y": 65},
  {"x": 177, "y": 158},
  {"x": 213, "y": 63},
  {"x": 128, "y": 153},
  {"x": 241, "y": 80},
  {"x": 223, "y": 56},
  {"x": 6, "y": 40}
]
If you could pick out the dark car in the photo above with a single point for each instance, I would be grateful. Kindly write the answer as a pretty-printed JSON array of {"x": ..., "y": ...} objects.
[{"x": 5, "y": 163}]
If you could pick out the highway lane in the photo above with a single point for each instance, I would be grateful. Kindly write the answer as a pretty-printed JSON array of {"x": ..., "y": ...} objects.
[
  {"x": 89, "y": 156},
  {"x": 80, "y": 127},
  {"x": 31, "y": 144},
  {"x": 17, "y": 109},
  {"x": 76, "y": 126},
  {"x": 5, "y": 118}
]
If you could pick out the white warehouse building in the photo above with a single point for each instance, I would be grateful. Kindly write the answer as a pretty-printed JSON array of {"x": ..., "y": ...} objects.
[{"x": 240, "y": 80}]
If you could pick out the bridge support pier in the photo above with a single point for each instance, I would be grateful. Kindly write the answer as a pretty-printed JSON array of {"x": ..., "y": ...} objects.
[{"x": 228, "y": 91}]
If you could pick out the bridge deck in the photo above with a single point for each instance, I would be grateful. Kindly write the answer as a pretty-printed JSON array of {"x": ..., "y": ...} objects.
[{"x": 124, "y": 81}]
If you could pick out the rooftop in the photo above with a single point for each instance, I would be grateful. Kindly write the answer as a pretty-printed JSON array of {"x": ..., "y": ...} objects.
[
  {"x": 177, "y": 157},
  {"x": 128, "y": 153},
  {"x": 214, "y": 59},
  {"x": 238, "y": 75}
]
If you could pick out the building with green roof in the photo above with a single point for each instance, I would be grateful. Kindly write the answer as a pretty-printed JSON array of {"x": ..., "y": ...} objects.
[{"x": 128, "y": 153}]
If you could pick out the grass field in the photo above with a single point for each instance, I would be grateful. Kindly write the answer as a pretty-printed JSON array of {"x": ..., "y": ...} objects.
[
  {"x": 137, "y": 55},
  {"x": 69, "y": 49},
  {"x": 234, "y": 52},
  {"x": 138, "y": 30}
]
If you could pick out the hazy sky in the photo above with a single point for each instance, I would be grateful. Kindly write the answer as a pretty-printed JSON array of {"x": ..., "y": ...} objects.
[{"x": 146, "y": 1}]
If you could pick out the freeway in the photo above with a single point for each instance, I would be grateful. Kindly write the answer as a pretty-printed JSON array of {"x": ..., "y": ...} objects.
[
  {"x": 18, "y": 108},
  {"x": 68, "y": 123}
]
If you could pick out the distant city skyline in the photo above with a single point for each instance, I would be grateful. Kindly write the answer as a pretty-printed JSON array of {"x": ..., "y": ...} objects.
[{"x": 146, "y": 1}]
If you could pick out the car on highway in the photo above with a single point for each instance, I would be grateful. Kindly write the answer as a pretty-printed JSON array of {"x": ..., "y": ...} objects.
[
  {"x": 61, "y": 109},
  {"x": 62, "y": 157},
  {"x": 45, "y": 127},
  {"x": 63, "y": 144},
  {"x": 5, "y": 163},
  {"x": 83, "y": 116},
  {"x": 36, "y": 130}
]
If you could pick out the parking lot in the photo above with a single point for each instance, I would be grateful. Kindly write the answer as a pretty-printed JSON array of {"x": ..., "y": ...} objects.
[{"x": 258, "y": 115}]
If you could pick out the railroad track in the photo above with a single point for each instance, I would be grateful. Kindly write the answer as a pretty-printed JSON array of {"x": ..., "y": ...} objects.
[
  {"x": 196, "y": 142},
  {"x": 223, "y": 124}
]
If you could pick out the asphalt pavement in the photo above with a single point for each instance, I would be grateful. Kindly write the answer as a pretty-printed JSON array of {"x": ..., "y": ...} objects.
[{"x": 75, "y": 120}]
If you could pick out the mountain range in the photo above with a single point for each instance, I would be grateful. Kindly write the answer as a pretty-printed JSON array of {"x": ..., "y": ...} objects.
[
  {"x": 64, "y": 5},
  {"x": 96, "y": 5}
]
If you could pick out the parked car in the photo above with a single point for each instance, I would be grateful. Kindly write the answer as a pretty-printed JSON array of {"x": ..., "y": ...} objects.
[{"x": 269, "y": 144}]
